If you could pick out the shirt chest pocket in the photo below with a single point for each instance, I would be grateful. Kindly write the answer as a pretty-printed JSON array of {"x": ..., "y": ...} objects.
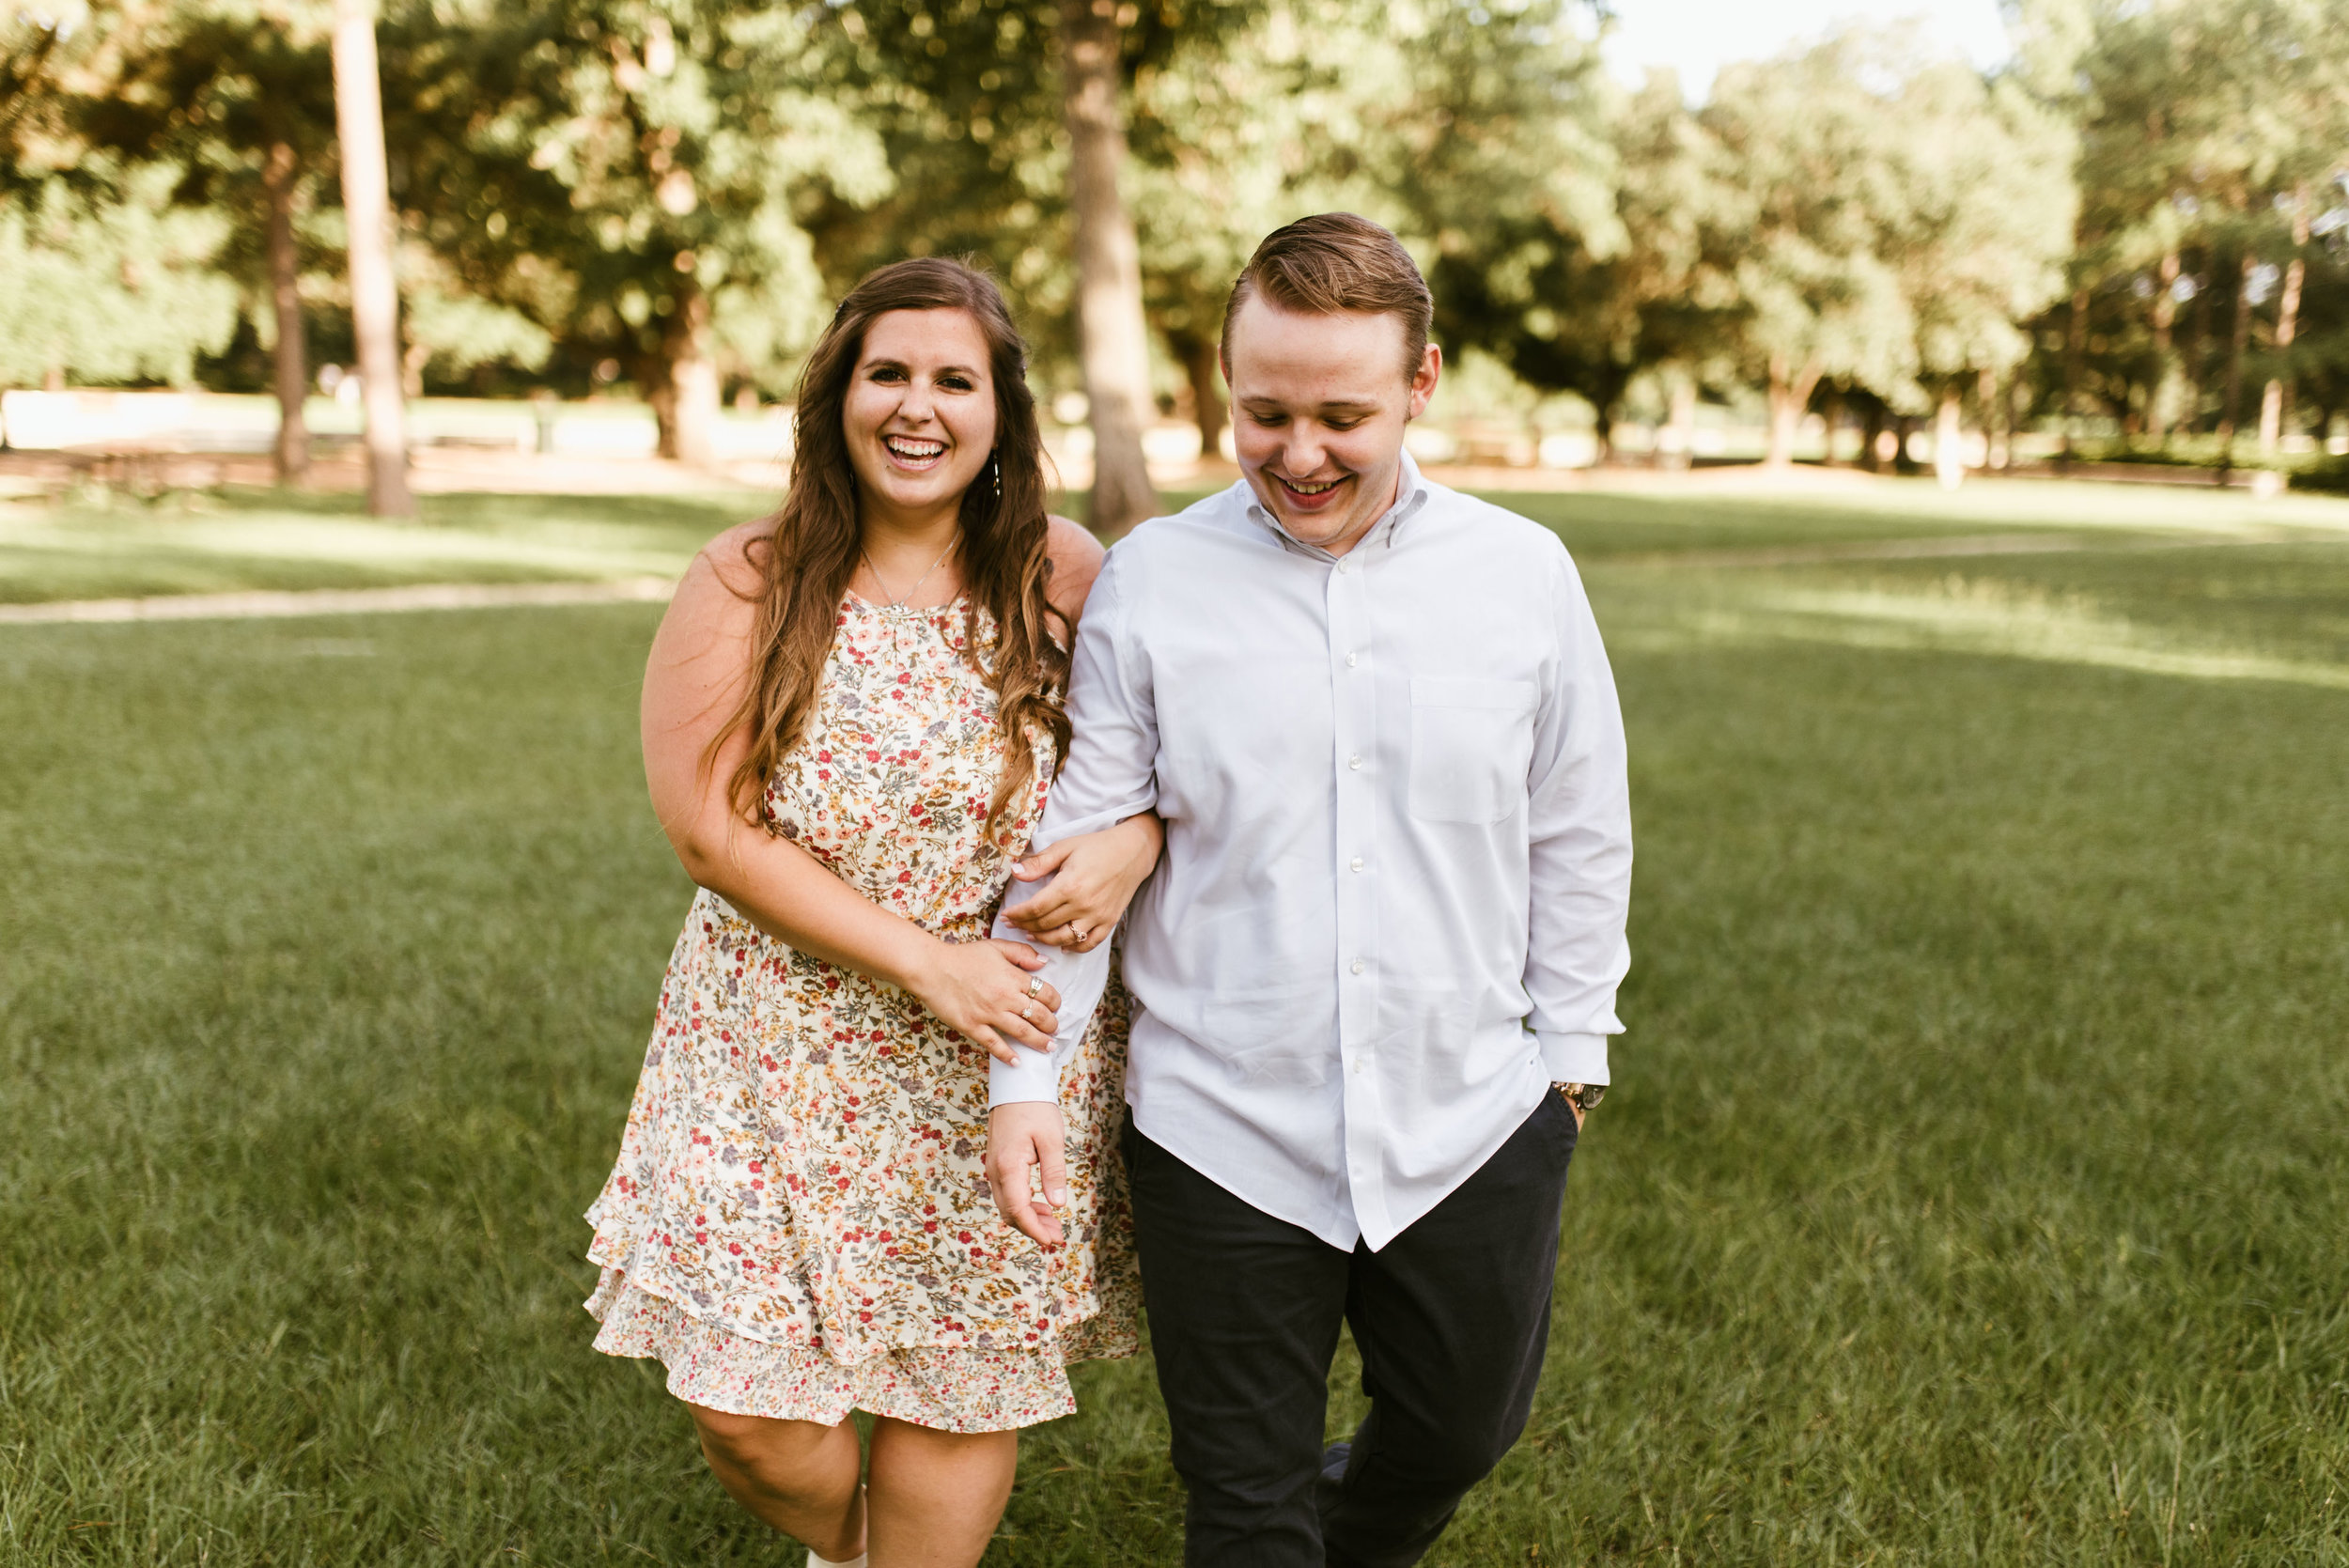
[{"x": 1472, "y": 744}]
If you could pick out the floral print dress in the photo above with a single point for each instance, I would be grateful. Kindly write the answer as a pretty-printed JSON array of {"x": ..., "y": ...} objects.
[{"x": 799, "y": 1223}]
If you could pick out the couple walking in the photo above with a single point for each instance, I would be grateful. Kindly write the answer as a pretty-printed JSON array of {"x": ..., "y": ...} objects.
[{"x": 1346, "y": 742}]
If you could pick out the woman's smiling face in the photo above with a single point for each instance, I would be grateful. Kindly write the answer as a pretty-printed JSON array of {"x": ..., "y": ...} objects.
[{"x": 920, "y": 412}]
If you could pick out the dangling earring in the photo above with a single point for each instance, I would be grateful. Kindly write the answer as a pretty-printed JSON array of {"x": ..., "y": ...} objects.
[{"x": 995, "y": 466}]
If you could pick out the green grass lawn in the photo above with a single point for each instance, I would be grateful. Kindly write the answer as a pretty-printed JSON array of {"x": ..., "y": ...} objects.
[{"x": 1971, "y": 1191}]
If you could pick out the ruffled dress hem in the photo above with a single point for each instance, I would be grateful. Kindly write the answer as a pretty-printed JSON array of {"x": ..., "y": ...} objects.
[{"x": 946, "y": 1389}]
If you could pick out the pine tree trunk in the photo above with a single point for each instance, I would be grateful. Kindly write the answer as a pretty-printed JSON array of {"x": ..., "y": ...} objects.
[
  {"x": 1680, "y": 451},
  {"x": 1111, "y": 336},
  {"x": 2235, "y": 351},
  {"x": 1993, "y": 435},
  {"x": 2074, "y": 352},
  {"x": 1949, "y": 440},
  {"x": 684, "y": 383},
  {"x": 278, "y": 175},
  {"x": 1790, "y": 394},
  {"x": 1204, "y": 366},
  {"x": 374, "y": 294},
  {"x": 1871, "y": 436},
  {"x": 2165, "y": 369},
  {"x": 2275, "y": 402}
]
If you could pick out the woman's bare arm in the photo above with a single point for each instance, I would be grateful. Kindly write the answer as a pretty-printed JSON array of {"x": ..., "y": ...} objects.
[{"x": 696, "y": 677}]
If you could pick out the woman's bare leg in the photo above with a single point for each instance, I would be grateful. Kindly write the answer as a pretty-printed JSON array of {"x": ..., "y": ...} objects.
[
  {"x": 937, "y": 1496},
  {"x": 800, "y": 1476}
]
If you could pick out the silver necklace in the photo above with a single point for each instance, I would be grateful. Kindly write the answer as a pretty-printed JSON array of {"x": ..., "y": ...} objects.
[{"x": 899, "y": 602}]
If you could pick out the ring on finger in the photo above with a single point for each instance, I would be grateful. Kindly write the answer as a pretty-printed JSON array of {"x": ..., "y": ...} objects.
[
  {"x": 1027, "y": 1011},
  {"x": 1035, "y": 985}
]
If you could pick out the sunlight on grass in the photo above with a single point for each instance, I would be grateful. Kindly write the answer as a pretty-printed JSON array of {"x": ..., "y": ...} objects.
[
  {"x": 1988, "y": 618},
  {"x": 212, "y": 543}
]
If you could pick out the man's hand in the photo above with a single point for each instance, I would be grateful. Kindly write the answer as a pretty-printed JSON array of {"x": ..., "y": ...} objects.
[{"x": 1023, "y": 1137}]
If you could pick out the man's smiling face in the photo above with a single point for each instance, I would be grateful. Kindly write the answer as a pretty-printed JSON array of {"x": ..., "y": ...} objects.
[{"x": 1318, "y": 406}]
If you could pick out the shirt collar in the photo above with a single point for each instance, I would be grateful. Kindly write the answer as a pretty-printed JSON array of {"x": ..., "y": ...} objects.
[{"x": 1410, "y": 495}]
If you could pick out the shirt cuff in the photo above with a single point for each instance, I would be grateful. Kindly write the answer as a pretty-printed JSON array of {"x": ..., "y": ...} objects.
[
  {"x": 1035, "y": 1077},
  {"x": 1574, "y": 1058}
]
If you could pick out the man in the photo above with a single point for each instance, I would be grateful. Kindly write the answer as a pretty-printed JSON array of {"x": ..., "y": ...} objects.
[{"x": 1375, "y": 972}]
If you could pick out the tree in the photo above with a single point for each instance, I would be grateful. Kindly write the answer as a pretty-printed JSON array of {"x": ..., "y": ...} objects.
[
  {"x": 243, "y": 98},
  {"x": 110, "y": 281},
  {"x": 1016, "y": 115},
  {"x": 639, "y": 180},
  {"x": 2207, "y": 130},
  {"x": 1235, "y": 132},
  {"x": 107, "y": 280},
  {"x": 1898, "y": 217},
  {"x": 1111, "y": 333},
  {"x": 367, "y": 219},
  {"x": 1581, "y": 292}
]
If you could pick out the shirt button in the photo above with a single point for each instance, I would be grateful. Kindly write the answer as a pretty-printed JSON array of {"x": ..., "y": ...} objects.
[
  {"x": 1357, "y": 1066},
  {"x": 1355, "y": 760},
  {"x": 1340, "y": 568},
  {"x": 1357, "y": 966},
  {"x": 1352, "y": 660},
  {"x": 1354, "y": 865}
]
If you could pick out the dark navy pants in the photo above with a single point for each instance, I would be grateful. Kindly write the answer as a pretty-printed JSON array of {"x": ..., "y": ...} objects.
[{"x": 1450, "y": 1318}]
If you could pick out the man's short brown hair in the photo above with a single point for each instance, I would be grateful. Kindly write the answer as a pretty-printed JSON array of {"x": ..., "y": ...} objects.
[{"x": 1335, "y": 261}]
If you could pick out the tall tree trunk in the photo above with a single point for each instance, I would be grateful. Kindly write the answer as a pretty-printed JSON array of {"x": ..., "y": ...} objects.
[
  {"x": 2075, "y": 354},
  {"x": 1790, "y": 394},
  {"x": 279, "y": 177},
  {"x": 2276, "y": 401},
  {"x": 1871, "y": 436},
  {"x": 374, "y": 295},
  {"x": 1203, "y": 365},
  {"x": 1993, "y": 436},
  {"x": 2165, "y": 369},
  {"x": 1680, "y": 424},
  {"x": 2235, "y": 351},
  {"x": 684, "y": 389},
  {"x": 1949, "y": 440},
  {"x": 1111, "y": 334}
]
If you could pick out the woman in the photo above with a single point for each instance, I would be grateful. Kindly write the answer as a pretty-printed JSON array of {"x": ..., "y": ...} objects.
[{"x": 852, "y": 714}]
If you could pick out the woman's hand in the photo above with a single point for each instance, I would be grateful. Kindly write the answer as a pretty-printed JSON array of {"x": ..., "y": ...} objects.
[
  {"x": 1094, "y": 878},
  {"x": 987, "y": 991}
]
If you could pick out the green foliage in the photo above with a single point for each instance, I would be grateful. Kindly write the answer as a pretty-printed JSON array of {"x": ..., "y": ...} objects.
[
  {"x": 110, "y": 286},
  {"x": 1583, "y": 287},
  {"x": 1898, "y": 215},
  {"x": 599, "y": 166}
]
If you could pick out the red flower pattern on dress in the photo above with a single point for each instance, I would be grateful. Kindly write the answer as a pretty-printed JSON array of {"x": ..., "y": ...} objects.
[{"x": 799, "y": 1131}]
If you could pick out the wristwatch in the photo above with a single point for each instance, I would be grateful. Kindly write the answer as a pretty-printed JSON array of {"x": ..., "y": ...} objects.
[{"x": 1582, "y": 1097}]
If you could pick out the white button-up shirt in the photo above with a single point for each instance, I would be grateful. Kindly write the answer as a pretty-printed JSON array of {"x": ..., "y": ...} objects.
[{"x": 1398, "y": 846}]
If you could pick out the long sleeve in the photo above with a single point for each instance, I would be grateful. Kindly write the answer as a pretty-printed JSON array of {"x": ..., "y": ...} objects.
[
  {"x": 1110, "y": 775},
  {"x": 1580, "y": 826}
]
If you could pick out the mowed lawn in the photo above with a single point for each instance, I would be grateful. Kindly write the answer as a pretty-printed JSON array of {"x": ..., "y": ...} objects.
[{"x": 1972, "y": 1190}]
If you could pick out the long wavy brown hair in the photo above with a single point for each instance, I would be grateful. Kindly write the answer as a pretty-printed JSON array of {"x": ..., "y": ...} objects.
[{"x": 807, "y": 556}]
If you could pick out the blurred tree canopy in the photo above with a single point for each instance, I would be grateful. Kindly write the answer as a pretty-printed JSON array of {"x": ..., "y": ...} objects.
[{"x": 2136, "y": 228}]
